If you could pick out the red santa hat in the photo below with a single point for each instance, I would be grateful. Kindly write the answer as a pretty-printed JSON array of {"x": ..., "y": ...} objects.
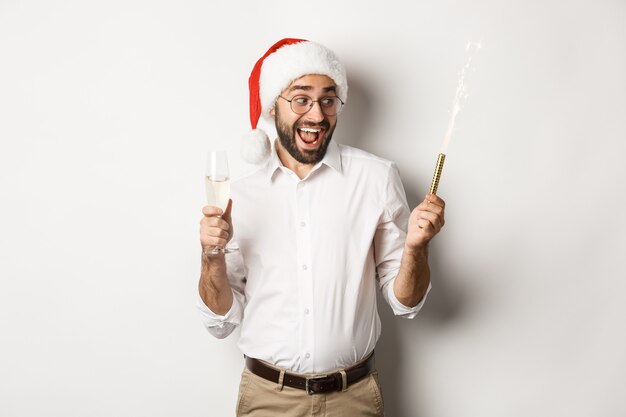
[{"x": 286, "y": 61}]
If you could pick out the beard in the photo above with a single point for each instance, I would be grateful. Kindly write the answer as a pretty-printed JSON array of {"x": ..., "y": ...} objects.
[{"x": 286, "y": 135}]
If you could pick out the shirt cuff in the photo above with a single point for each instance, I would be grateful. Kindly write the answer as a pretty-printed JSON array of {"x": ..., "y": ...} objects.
[
  {"x": 400, "y": 309},
  {"x": 213, "y": 320}
]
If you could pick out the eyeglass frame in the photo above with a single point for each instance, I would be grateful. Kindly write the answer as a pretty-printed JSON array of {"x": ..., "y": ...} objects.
[{"x": 312, "y": 103}]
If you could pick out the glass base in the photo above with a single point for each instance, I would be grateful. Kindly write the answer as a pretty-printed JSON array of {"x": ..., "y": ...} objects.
[{"x": 216, "y": 250}]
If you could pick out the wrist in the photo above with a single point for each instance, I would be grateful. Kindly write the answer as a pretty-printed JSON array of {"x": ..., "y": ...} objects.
[
  {"x": 416, "y": 251},
  {"x": 212, "y": 263}
]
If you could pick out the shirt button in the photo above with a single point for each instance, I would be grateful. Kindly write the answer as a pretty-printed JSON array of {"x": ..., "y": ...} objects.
[
  {"x": 308, "y": 355},
  {"x": 305, "y": 267},
  {"x": 302, "y": 224},
  {"x": 306, "y": 311}
]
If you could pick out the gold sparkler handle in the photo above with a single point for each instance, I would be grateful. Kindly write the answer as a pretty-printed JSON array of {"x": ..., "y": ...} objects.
[{"x": 435, "y": 183}]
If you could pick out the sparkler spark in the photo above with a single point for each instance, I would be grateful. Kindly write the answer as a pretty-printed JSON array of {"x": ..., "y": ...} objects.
[
  {"x": 459, "y": 98},
  {"x": 461, "y": 93}
]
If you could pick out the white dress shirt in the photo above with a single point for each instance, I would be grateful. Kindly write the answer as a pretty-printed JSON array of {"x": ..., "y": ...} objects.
[{"x": 311, "y": 253}]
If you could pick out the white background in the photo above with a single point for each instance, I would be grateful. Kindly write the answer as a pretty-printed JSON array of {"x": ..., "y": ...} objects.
[{"x": 106, "y": 112}]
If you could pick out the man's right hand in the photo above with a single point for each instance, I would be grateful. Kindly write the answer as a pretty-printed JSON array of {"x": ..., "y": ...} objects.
[
  {"x": 216, "y": 226},
  {"x": 216, "y": 229}
]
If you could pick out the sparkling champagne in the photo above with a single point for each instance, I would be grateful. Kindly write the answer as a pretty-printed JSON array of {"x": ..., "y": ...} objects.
[{"x": 217, "y": 191}]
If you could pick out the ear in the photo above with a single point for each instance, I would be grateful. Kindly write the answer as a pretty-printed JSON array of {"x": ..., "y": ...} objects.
[{"x": 273, "y": 112}]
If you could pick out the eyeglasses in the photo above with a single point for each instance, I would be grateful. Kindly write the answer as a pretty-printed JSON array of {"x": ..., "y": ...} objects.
[{"x": 330, "y": 106}]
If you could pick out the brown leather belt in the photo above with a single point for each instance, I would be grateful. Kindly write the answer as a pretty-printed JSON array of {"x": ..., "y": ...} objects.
[{"x": 313, "y": 385}]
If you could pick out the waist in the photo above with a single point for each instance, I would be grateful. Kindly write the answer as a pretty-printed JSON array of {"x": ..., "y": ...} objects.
[
  {"x": 337, "y": 380},
  {"x": 323, "y": 357}
]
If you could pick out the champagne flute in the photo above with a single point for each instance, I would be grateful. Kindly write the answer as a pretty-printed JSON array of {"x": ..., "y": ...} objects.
[{"x": 217, "y": 185}]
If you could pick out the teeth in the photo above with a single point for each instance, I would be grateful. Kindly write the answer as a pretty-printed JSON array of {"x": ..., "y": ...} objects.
[{"x": 309, "y": 130}]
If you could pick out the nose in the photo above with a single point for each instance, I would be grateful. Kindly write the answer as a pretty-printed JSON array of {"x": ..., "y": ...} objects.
[{"x": 315, "y": 113}]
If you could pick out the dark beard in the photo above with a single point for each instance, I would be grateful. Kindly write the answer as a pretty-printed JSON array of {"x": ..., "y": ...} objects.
[{"x": 288, "y": 141}]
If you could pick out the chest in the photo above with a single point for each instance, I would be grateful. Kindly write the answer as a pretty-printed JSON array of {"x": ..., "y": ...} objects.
[{"x": 331, "y": 213}]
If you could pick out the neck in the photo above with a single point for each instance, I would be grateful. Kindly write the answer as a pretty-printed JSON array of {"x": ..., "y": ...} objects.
[{"x": 300, "y": 169}]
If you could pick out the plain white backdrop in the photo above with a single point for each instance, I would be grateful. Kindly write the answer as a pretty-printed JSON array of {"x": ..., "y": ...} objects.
[{"x": 107, "y": 110}]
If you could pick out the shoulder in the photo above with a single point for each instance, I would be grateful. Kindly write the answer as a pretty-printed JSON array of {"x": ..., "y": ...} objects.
[
  {"x": 257, "y": 173},
  {"x": 379, "y": 176},
  {"x": 349, "y": 152},
  {"x": 248, "y": 183},
  {"x": 358, "y": 159}
]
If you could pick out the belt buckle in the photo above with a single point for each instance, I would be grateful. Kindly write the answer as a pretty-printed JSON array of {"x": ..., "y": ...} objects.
[{"x": 309, "y": 389}]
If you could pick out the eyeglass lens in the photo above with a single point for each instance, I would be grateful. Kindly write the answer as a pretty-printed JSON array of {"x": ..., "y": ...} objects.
[{"x": 329, "y": 105}]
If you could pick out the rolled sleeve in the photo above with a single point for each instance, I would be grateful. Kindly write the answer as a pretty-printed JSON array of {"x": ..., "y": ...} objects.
[
  {"x": 398, "y": 308},
  {"x": 221, "y": 326},
  {"x": 218, "y": 325}
]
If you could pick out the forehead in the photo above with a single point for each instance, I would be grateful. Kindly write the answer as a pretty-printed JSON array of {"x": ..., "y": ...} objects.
[{"x": 312, "y": 82}]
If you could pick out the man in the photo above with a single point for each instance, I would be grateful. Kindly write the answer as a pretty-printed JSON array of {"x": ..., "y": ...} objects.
[{"x": 315, "y": 229}]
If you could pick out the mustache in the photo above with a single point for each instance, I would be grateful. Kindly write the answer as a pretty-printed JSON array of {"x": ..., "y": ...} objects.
[{"x": 324, "y": 124}]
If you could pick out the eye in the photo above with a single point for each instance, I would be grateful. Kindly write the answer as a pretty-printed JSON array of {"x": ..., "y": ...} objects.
[
  {"x": 302, "y": 100},
  {"x": 327, "y": 101}
]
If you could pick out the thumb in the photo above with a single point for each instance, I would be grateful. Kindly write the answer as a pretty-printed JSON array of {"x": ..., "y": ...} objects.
[{"x": 229, "y": 208}]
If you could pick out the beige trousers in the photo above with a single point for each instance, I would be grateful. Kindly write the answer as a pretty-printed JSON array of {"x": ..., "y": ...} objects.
[{"x": 259, "y": 397}]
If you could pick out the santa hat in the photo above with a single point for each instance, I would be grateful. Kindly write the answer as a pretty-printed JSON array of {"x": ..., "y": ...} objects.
[{"x": 286, "y": 61}]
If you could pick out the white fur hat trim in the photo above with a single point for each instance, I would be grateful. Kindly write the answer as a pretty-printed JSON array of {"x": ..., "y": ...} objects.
[{"x": 256, "y": 147}]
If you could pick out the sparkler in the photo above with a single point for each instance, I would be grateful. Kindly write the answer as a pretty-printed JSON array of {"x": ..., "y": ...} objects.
[
  {"x": 435, "y": 182},
  {"x": 459, "y": 98}
]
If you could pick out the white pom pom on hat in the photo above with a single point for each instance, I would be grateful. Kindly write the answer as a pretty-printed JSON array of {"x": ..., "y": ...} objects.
[
  {"x": 285, "y": 61},
  {"x": 256, "y": 147}
]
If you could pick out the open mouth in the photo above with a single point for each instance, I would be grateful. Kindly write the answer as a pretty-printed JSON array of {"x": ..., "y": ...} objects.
[{"x": 309, "y": 135}]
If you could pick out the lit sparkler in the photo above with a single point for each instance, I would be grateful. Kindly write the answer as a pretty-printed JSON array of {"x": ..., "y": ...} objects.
[{"x": 459, "y": 99}]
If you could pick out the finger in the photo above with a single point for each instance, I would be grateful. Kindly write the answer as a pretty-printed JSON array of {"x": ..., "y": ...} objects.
[
  {"x": 431, "y": 208},
  {"x": 218, "y": 239},
  {"x": 228, "y": 210},
  {"x": 426, "y": 207},
  {"x": 434, "y": 199},
  {"x": 213, "y": 241},
  {"x": 212, "y": 211},
  {"x": 436, "y": 220},
  {"x": 216, "y": 232},
  {"x": 218, "y": 222},
  {"x": 425, "y": 225}
]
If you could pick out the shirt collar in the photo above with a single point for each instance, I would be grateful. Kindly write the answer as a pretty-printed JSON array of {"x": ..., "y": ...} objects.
[
  {"x": 331, "y": 159},
  {"x": 333, "y": 156}
]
